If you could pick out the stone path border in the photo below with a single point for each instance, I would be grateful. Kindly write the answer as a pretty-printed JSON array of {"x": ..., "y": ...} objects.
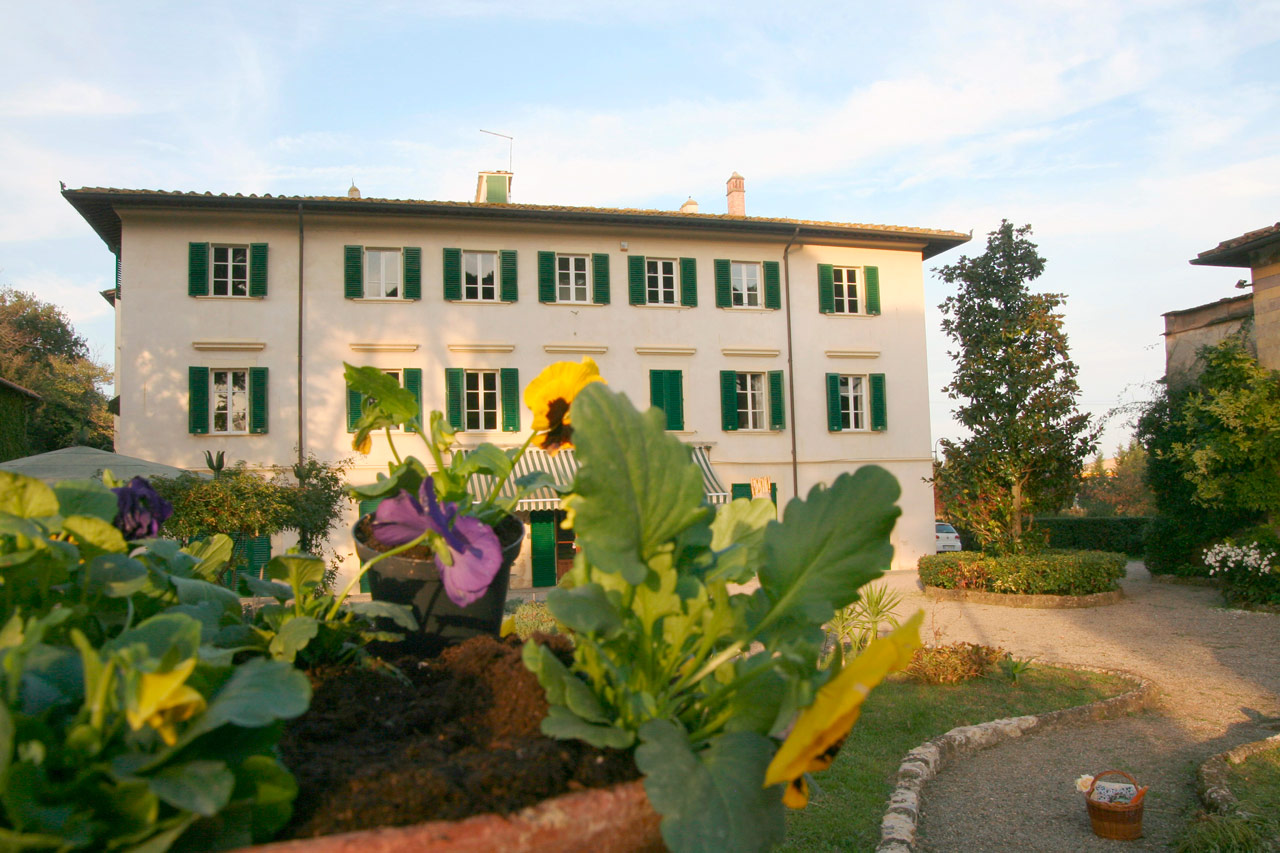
[
  {"x": 1214, "y": 791},
  {"x": 901, "y": 819},
  {"x": 1013, "y": 599}
]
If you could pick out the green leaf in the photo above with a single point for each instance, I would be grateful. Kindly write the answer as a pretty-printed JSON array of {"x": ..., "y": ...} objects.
[
  {"x": 637, "y": 487},
  {"x": 260, "y": 692},
  {"x": 385, "y": 400},
  {"x": 116, "y": 575},
  {"x": 293, "y": 637},
  {"x": 829, "y": 545},
  {"x": 202, "y": 787},
  {"x": 400, "y": 614},
  {"x": 713, "y": 800},
  {"x": 170, "y": 831},
  {"x": 272, "y": 788},
  {"x": 173, "y": 634},
  {"x": 265, "y": 589},
  {"x": 26, "y": 497},
  {"x": 211, "y": 555},
  {"x": 193, "y": 591},
  {"x": 15, "y": 842},
  {"x": 6, "y": 739},
  {"x": 562, "y": 686},
  {"x": 93, "y": 535},
  {"x": 737, "y": 532},
  {"x": 86, "y": 497},
  {"x": 585, "y": 609},
  {"x": 485, "y": 459},
  {"x": 303, "y": 574},
  {"x": 563, "y": 724}
]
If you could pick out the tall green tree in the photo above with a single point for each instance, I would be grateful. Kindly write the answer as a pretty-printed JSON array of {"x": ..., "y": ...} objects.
[
  {"x": 43, "y": 352},
  {"x": 1017, "y": 388}
]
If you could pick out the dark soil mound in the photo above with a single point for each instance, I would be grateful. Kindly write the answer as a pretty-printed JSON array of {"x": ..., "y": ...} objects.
[{"x": 461, "y": 739}]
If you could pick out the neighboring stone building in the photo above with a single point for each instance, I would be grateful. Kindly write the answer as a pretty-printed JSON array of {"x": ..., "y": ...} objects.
[
  {"x": 786, "y": 349},
  {"x": 1258, "y": 312},
  {"x": 15, "y": 402}
]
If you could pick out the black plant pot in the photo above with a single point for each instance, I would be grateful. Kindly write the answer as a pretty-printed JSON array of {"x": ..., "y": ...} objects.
[{"x": 441, "y": 623}]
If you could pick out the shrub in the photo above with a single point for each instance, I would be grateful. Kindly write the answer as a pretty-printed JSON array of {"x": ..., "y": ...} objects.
[
  {"x": 1249, "y": 567},
  {"x": 1120, "y": 534},
  {"x": 953, "y": 663},
  {"x": 533, "y": 617},
  {"x": 1046, "y": 573}
]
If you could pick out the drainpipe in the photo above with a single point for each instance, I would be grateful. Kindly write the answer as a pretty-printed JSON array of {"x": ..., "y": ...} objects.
[
  {"x": 791, "y": 365},
  {"x": 302, "y": 449}
]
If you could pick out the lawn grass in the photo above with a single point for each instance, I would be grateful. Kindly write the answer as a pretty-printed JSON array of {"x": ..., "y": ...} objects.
[
  {"x": 899, "y": 716},
  {"x": 1256, "y": 783}
]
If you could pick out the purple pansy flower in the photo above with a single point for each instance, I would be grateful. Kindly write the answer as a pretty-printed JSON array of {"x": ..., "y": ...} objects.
[
  {"x": 474, "y": 547},
  {"x": 140, "y": 511}
]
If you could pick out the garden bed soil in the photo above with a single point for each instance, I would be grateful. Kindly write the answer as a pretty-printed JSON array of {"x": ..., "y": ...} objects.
[{"x": 461, "y": 738}]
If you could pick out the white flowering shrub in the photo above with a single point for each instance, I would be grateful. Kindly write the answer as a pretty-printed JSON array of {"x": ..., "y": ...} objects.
[{"x": 1249, "y": 570}]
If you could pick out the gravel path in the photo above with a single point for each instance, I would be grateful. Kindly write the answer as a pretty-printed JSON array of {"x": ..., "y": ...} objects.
[{"x": 1218, "y": 672}]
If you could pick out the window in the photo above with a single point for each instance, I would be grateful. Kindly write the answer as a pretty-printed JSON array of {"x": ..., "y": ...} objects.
[
  {"x": 409, "y": 378},
  {"x": 853, "y": 401},
  {"x": 844, "y": 282},
  {"x": 660, "y": 281},
  {"x": 230, "y": 275},
  {"x": 744, "y": 404},
  {"x": 750, "y": 401},
  {"x": 856, "y": 403},
  {"x": 230, "y": 398},
  {"x": 480, "y": 276},
  {"x": 382, "y": 273},
  {"x": 480, "y": 407},
  {"x": 745, "y": 282},
  {"x": 571, "y": 279}
]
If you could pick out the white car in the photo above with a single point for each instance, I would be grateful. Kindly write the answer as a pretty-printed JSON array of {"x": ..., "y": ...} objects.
[{"x": 946, "y": 536}]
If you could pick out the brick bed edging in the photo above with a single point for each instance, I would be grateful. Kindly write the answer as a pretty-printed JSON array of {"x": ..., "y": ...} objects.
[
  {"x": 1013, "y": 599},
  {"x": 902, "y": 818},
  {"x": 1212, "y": 775}
]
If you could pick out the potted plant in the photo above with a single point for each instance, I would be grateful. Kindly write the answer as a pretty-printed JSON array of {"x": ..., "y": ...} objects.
[{"x": 434, "y": 543}]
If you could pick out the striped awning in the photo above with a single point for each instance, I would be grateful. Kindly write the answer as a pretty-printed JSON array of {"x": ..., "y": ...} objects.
[{"x": 564, "y": 466}]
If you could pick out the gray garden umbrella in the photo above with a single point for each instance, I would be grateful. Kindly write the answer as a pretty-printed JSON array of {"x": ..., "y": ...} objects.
[{"x": 80, "y": 463}]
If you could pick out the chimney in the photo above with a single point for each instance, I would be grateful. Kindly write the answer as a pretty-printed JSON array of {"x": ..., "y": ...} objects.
[
  {"x": 735, "y": 190},
  {"x": 689, "y": 206},
  {"x": 493, "y": 188}
]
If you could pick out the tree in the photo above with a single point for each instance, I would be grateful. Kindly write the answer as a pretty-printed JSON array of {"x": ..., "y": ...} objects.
[
  {"x": 1017, "y": 383},
  {"x": 1120, "y": 491},
  {"x": 43, "y": 353}
]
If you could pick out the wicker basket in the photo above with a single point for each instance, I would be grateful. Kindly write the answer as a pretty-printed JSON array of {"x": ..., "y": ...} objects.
[{"x": 1117, "y": 821}]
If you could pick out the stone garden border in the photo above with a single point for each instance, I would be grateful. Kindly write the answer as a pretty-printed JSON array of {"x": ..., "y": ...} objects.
[
  {"x": 1212, "y": 775},
  {"x": 1013, "y": 599},
  {"x": 902, "y": 818}
]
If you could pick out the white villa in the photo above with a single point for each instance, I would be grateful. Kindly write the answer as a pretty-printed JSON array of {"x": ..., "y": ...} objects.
[{"x": 781, "y": 349}]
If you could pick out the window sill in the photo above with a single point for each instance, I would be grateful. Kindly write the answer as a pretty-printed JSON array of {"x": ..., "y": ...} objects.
[
  {"x": 575, "y": 304},
  {"x": 666, "y": 307},
  {"x": 847, "y": 316},
  {"x": 479, "y": 302},
  {"x": 230, "y": 298},
  {"x": 750, "y": 309},
  {"x": 383, "y": 300}
]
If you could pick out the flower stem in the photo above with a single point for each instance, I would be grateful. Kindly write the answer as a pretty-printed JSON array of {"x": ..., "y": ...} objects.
[
  {"x": 497, "y": 489},
  {"x": 337, "y": 602}
]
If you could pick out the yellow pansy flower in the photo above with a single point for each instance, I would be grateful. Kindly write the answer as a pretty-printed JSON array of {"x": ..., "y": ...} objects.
[
  {"x": 508, "y": 627},
  {"x": 550, "y": 394},
  {"x": 163, "y": 700},
  {"x": 822, "y": 727}
]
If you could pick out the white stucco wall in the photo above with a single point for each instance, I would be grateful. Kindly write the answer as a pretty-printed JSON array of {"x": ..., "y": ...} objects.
[{"x": 162, "y": 331}]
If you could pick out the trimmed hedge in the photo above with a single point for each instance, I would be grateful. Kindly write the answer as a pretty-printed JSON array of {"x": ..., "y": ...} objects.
[
  {"x": 1120, "y": 534},
  {"x": 1046, "y": 573}
]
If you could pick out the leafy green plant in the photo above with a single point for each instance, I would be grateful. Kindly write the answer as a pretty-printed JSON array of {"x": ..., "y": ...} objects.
[
  {"x": 1014, "y": 668},
  {"x": 1046, "y": 573},
  {"x": 702, "y": 681},
  {"x": 854, "y": 627},
  {"x": 953, "y": 663},
  {"x": 1214, "y": 833},
  {"x": 1249, "y": 568},
  {"x": 533, "y": 617},
  {"x": 122, "y": 727}
]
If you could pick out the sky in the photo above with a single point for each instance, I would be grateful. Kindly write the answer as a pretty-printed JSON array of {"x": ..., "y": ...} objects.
[{"x": 1131, "y": 135}]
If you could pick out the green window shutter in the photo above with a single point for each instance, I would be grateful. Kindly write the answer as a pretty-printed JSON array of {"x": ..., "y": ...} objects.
[
  {"x": 740, "y": 490},
  {"x": 412, "y": 272},
  {"x": 600, "y": 278},
  {"x": 454, "y": 381},
  {"x": 368, "y": 506},
  {"x": 635, "y": 279},
  {"x": 833, "y": 402},
  {"x": 879, "y": 407},
  {"x": 542, "y": 546},
  {"x": 772, "y": 285},
  {"x": 546, "y": 276},
  {"x": 452, "y": 274},
  {"x": 773, "y": 493},
  {"x": 117, "y": 275},
  {"x": 509, "y": 389},
  {"x": 197, "y": 269},
  {"x": 724, "y": 299},
  {"x": 198, "y": 400},
  {"x": 257, "y": 269},
  {"x": 728, "y": 400},
  {"x": 689, "y": 282},
  {"x": 826, "y": 289},
  {"x": 258, "y": 554},
  {"x": 777, "y": 408},
  {"x": 355, "y": 403},
  {"x": 871, "y": 284},
  {"x": 674, "y": 405},
  {"x": 413, "y": 384},
  {"x": 509, "y": 291},
  {"x": 353, "y": 272},
  {"x": 258, "y": 400},
  {"x": 657, "y": 389}
]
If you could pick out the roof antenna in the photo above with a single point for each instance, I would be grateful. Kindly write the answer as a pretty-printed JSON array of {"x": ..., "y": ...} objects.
[{"x": 511, "y": 143}]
